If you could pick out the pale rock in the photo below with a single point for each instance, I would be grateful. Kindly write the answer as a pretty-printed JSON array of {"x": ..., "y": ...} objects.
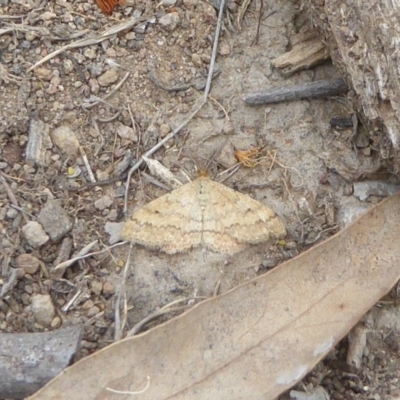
[
  {"x": 108, "y": 288},
  {"x": 126, "y": 132},
  {"x": 108, "y": 78},
  {"x": 35, "y": 234},
  {"x": 130, "y": 36},
  {"x": 104, "y": 202},
  {"x": 28, "y": 262},
  {"x": 164, "y": 130},
  {"x": 224, "y": 49},
  {"x": 169, "y": 21},
  {"x": 97, "y": 287},
  {"x": 196, "y": 59},
  {"x": 114, "y": 230},
  {"x": 65, "y": 139},
  {"x": 93, "y": 311},
  {"x": 42, "y": 73},
  {"x": 43, "y": 309}
]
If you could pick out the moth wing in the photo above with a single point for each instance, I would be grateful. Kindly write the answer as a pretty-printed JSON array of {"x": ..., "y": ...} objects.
[{"x": 171, "y": 223}]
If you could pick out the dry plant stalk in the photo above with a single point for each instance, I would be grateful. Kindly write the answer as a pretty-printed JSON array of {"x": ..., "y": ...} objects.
[{"x": 248, "y": 158}]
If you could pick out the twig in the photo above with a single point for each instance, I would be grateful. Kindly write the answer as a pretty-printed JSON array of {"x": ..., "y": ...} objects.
[
  {"x": 84, "y": 254},
  {"x": 217, "y": 288},
  {"x": 87, "y": 165},
  {"x": 162, "y": 311},
  {"x": 11, "y": 282},
  {"x": 11, "y": 195},
  {"x": 312, "y": 90},
  {"x": 191, "y": 116},
  {"x": 260, "y": 13},
  {"x": 8, "y": 190},
  {"x": 242, "y": 11},
  {"x": 88, "y": 105},
  {"x": 126, "y": 25},
  {"x": 110, "y": 119},
  {"x": 74, "y": 298},
  {"x": 119, "y": 327},
  {"x": 20, "y": 209},
  {"x": 101, "y": 136},
  {"x": 155, "y": 182}
]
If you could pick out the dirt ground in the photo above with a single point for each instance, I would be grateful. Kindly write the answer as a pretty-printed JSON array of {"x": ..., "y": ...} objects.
[{"x": 305, "y": 173}]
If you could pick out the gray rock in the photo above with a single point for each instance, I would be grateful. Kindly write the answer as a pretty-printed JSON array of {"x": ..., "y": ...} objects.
[
  {"x": 126, "y": 132},
  {"x": 363, "y": 190},
  {"x": 104, "y": 202},
  {"x": 169, "y": 21},
  {"x": 43, "y": 309},
  {"x": 35, "y": 234},
  {"x": 12, "y": 213},
  {"x": 55, "y": 220},
  {"x": 114, "y": 230}
]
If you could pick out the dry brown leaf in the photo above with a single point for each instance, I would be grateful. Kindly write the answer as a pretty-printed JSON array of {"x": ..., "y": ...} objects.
[{"x": 258, "y": 339}]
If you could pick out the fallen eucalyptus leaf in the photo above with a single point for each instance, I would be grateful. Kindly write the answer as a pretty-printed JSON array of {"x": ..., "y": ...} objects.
[{"x": 258, "y": 339}]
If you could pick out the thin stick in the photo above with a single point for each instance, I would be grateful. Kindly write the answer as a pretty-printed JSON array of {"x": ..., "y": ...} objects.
[
  {"x": 126, "y": 25},
  {"x": 259, "y": 22},
  {"x": 311, "y": 90},
  {"x": 191, "y": 116},
  {"x": 83, "y": 254},
  {"x": 162, "y": 311},
  {"x": 119, "y": 327},
  {"x": 88, "y": 106},
  {"x": 87, "y": 165},
  {"x": 11, "y": 196}
]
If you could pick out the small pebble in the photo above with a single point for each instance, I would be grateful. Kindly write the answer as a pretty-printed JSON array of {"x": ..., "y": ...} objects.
[
  {"x": 87, "y": 305},
  {"x": 97, "y": 287},
  {"x": 127, "y": 133},
  {"x": 65, "y": 139},
  {"x": 43, "y": 309},
  {"x": 56, "y": 322},
  {"x": 164, "y": 130},
  {"x": 112, "y": 215},
  {"x": 108, "y": 288},
  {"x": 196, "y": 59},
  {"x": 28, "y": 262},
  {"x": 55, "y": 220},
  {"x": 44, "y": 74},
  {"x": 224, "y": 49},
  {"x": 11, "y": 213},
  {"x": 93, "y": 311},
  {"x": 103, "y": 202},
  {"x": 108, "y": 78},
  {"x": 35, "y": 234},
  {"x": 169, "y": 21},
  {"x": 130, "y": 36}
]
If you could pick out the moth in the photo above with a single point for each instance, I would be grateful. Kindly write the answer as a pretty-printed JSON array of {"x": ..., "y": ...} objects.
[{"x": 206, "y": 213}]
